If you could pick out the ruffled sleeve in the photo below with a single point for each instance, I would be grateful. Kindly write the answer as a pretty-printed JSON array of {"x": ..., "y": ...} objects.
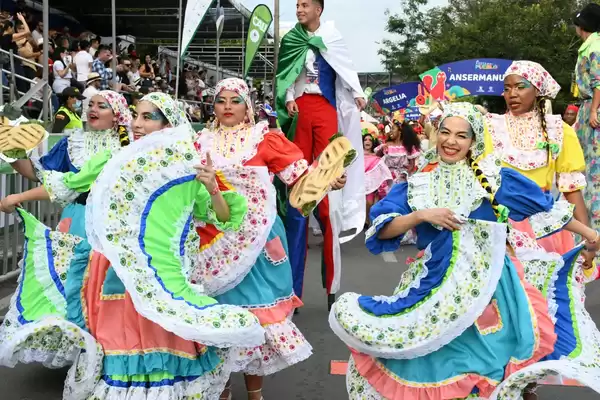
[
  {"x": 525, "y": 199},
  {"x": 238, "y": 206},
  {"x": 570, "y": 163},
  {"x": 57, "y": 159},
  {"x": 283, "y": 157},
  {"x": 393, "y": 205},
  {"x": 64, "y": 187}
]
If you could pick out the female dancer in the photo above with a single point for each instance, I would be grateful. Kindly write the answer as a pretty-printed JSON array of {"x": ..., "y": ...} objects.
[
  {"x": 400, "y": 152},
  {"x": 538, "y": 145},
  {"x": 587, "y": 125},
  {"x": 108, "y": 122},
  {"x": 152, "y": 326},
  {"x": 376, "y": 172},
  {"x": 265, "y": 287},
  {"x": 462, "y": 317}
]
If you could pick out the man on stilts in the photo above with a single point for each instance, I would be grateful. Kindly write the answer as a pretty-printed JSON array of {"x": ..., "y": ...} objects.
[{"x": 319, "y": 95}]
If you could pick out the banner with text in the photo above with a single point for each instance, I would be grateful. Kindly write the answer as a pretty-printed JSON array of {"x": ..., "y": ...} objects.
[
  {"x": 477, "y": 77},
  {"x": 260, "y": 20},
  {"x": 195, "y": 11},
  {"x": 409, "y": 94}
]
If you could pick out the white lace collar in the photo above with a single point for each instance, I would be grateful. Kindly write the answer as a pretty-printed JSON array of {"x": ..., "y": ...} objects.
[
  {"x": 452, "y": 186},
  {"x": 232, "y": 146},
  {"x": 83, "y": 145},
  {"x": 519, "y": 140}
]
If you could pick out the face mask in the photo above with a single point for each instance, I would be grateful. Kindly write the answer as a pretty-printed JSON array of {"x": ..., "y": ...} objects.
[{"x": 78, "y": 105}]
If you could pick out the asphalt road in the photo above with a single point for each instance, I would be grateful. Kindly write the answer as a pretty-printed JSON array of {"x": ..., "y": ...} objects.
[{"x": 310, "y": 380}]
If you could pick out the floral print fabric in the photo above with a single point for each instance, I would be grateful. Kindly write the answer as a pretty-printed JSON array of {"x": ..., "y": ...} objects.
[
  {"x": 587, "y": 75},
  {"x": 170, "y": 109},
  {"x": 536, "y": 75}
]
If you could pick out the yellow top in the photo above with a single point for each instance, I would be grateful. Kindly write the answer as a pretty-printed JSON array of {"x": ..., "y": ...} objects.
[{"x": 520, "y": 144}]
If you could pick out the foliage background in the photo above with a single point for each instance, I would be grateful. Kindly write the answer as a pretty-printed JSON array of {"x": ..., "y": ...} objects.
[{"x": 536, "y": 30}]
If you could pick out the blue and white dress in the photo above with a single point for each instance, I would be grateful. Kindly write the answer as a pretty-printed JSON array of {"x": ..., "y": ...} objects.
[
  {"x": 464, "y": 318},
  {"x": 69, "y": 155}
]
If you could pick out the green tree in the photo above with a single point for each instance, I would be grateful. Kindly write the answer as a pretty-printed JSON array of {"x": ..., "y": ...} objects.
[{"x": 540, "y": 31}]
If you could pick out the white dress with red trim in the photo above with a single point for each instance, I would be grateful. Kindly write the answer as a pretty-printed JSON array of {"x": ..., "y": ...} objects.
[{"x": 264, "y": 284}]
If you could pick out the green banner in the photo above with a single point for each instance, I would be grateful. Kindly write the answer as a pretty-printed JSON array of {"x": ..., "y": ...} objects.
[{"x": 260, "y": 20}]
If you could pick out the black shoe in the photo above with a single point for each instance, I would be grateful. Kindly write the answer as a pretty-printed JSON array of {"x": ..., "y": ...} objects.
[{"x": 330, "y": 301}]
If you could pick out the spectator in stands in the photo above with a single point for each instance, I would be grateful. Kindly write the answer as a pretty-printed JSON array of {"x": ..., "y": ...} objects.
[
  {"x": 29, "y": 50},
  {"x": 38, "y": 33},
  {"x": 83, "y": 61},
  {"x": 106, "y": 74},
  {"x": 146, "y": 70},
  {"x": 8, "y": 43},
  {"x": 61, "y": 69},
  {"x": 66, "y": 118},
  {"x": 123, "y": 70},
  {"x": 64, "y": 42},
  {"x": 95, "y": 43},
  {"x": 92, "y": 88}
]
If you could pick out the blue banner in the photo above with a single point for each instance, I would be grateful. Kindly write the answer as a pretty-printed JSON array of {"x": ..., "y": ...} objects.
[
  {"x": 412, "y": 114},
  {"x": 477, "y": 77},
  {"x": 400, "y": 96}
]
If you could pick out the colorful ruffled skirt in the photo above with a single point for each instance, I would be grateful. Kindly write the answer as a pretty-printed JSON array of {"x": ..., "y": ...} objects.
[
  {"x": 267, "y": 293},
  {"x": 463, "y": 320},
  {"x": 127, "y": 317},
  {"x": 71, "y": 308}
]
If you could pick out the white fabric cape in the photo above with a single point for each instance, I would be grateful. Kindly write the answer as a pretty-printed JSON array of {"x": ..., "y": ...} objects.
[{"x": 347, "y": 206}]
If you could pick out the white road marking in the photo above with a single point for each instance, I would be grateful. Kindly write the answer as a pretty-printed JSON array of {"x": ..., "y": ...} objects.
[{"x": 389, "y": 257}]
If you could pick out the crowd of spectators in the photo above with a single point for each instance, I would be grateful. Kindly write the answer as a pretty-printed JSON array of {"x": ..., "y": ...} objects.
[{"x": 82, "y": 62}]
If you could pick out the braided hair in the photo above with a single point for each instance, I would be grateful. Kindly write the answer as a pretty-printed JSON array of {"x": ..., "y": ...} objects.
[
  {"x": 483, "y": 181},
  {"x": 123, "y": 135},
  {"x": 541, "y": 107}
]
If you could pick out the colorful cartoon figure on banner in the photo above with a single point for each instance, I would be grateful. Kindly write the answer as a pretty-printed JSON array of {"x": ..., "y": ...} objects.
[{"x": 466, "y": 78}]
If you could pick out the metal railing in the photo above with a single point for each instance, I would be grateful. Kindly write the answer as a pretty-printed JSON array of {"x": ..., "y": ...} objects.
[
  {"x": 11, "y": 229},
  {"x": 14, "y": 93}
]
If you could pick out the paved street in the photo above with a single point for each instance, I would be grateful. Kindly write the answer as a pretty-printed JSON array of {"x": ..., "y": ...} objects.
[{"x": 310, "y": 380}]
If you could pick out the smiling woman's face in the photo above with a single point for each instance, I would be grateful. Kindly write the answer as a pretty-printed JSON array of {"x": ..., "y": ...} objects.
[
  {"x": 519, "y": 94},
  {"x": 100, "y": 114},
  {"x": 230, "y": 108},
  {"x": 454, "y": 139}
]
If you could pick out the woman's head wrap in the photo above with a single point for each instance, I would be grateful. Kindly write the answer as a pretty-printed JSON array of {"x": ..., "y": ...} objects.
[
  {"x": 119, "y": 107},
  {"x": 240, "y": 87},
  {"x": 536, "y": 75},
  {"x": 170, "y": 109},
  {"x": 471, "y": 114}
]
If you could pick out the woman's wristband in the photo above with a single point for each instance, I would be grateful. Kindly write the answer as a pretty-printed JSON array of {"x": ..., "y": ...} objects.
[{"x": 215, "y": 191}]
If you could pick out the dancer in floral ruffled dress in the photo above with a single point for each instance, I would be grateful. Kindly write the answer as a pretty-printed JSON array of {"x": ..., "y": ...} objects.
[
  {"x": 400, "y": 152},
  {"x": 463, "y": 318},
  {"x": 107, "y": 126},
  {"x": 264, "y": 284},
  {"x": 376, "y": 172},
  {"x": 540, "y": 146},
  {"x": 118, "y": 305}
]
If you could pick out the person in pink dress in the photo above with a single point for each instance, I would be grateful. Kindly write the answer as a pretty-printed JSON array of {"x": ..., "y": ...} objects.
[
  {"x": 377, "y": 173},
  {"x": 400, "y": 153}
]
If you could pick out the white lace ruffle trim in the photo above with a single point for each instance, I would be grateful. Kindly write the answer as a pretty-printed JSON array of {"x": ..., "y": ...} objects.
[
  {"x": 546, "y": 223},
  {"x": 59, "y": 193},
  {"x": 214, "y": 325},
  {"x": 208, "y": 386},
  {"x": 285, "y": 346},
  {"x": 417, "y": 333}
]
